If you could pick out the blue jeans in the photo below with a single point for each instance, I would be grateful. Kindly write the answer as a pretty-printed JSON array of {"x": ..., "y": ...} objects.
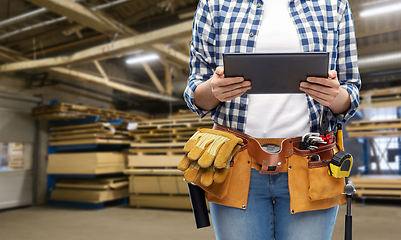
[{"x": 268, "y": 215}]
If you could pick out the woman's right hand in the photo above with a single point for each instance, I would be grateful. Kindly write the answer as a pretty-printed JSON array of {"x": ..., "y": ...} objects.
[
  {"x": 225, "y": 89},
  {"x": 219, "y": 89}
]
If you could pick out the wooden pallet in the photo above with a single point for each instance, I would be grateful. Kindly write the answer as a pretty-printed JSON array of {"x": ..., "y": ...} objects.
[
  {"x": 377, "y": 186},
  {"x": 375, "y": 128}
]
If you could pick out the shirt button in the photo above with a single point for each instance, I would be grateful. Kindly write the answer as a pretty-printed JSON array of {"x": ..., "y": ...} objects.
[
  {"x": 258, "y": 5},
  {"x": 251, "y": 34},
  {"x": 241, "y": 105}
]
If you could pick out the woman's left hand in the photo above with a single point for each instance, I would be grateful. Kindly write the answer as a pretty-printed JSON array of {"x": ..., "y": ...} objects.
[{"x": 325, "y": 91}]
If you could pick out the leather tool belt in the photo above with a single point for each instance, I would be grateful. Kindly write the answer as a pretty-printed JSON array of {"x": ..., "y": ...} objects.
[{"x": 271, "y": 163}]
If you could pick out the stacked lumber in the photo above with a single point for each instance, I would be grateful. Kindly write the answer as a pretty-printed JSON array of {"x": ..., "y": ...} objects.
[
  {"x": 91, "y": 133},
  {"x": 157, "y": 184},
  {"x": 155, "y": 152},
  {"x": 65, "y": 111},
  {"x": 368, "y": 128},
  {"x": 15, "y": 156},
  {"x": 86, "y": 163},
  {"x": 389, "y": 97},
  {"x": 90, "y": 190},
  {"x": 378, "y": 186},
  {"x": 168, "y": 130}
]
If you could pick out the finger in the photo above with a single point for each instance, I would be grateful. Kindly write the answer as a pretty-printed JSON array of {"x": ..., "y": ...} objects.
[
  {"x": 233, "y": 87},
  {"x": 318, "y": 89},
  {"x": 224, "y": 82},
  {"x": 232, "y": 91},
  {"x": 327, "y": 82},
  {"x": 220, "y": 70},
  {"x": 234, "y": 94},
  {"x": 322, "y": 101},
  {"x": 320, "y": 97}
]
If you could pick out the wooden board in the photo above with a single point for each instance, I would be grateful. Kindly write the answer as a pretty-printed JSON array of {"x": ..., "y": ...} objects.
[
  {"x": 86, "y": 136},
  {"x": 368, "y": 128},
  {"x": 374, "y": 125},
  {"x": 92, "y": 196},
  {"x": 71, "y": 110},
  {"x": 157, "y": 145},
  {"x": 157, "y": 185},
  {"x": 153, "y": 171},
  {"x": 158, "y": 201},
  {"x": 86, "y": 163},
  {"x": 93, "y": 183},
  {"x": 81, "y": 131},
  {"x": 82, "y": 126},
  {"x": 154, "y": 161},
  {"x": 373, "y": 134},
  {"x": 378, "y": 186},
  {"x": 90, "y": 141}
]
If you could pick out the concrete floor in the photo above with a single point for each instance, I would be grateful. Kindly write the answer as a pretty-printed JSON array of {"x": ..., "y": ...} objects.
[{"x": 371, "y": 222}]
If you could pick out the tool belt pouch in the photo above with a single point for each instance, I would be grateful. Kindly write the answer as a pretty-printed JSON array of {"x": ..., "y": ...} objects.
[
  {"x": 240, "y": 169},
  {"x": 311, "y": 187},
  {"x": 321, "y": 184},
  {"x": 208, "y": 155}
]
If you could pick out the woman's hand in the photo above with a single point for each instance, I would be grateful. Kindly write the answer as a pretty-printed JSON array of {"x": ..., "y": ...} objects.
[
  {"x": 225, "y": 89},
  {"x": 328, "y": 92},
  {"x": 219, "y": 89}
]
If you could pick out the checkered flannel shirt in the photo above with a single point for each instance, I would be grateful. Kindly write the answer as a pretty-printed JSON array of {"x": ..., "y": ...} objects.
[{"x": 223, "y": 26}]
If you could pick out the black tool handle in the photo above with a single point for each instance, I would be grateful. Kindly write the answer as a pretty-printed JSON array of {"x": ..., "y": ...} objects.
[
  {"x": 348, "y": 219},
  {"x": 199, "y": 207},
  {"x": 348, "y": 228}
]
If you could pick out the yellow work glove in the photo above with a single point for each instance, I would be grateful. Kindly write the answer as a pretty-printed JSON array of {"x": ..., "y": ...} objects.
[{"x": 207, "y": 154}]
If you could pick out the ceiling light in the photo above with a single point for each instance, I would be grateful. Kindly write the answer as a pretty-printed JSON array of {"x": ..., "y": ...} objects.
[
  {"x": 381, "y": 10},
  {"x": 141, "y": 59}
]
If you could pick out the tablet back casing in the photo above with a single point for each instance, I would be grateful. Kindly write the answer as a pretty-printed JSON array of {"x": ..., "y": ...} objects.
[{"x": 276, "y": 72}]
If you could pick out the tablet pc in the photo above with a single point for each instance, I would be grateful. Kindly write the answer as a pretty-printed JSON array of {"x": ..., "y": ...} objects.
[{"x": 276, "y": 72}]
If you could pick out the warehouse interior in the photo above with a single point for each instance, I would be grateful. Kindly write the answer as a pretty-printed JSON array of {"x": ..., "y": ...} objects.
[{"x": 103, "y": 80}]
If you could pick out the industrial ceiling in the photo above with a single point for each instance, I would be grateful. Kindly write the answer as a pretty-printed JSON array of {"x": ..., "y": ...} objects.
[{"x": 89, "y": 40}]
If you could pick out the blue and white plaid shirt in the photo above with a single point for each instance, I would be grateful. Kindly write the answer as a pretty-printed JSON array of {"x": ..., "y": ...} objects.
[{"x": 222, "y": 26}]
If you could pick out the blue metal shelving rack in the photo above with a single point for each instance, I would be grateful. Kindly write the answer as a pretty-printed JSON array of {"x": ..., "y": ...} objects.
[{"x": 52, "y": 178}]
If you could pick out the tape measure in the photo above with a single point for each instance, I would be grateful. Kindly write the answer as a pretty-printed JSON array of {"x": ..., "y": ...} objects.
[{"x": 341, "y": 165}]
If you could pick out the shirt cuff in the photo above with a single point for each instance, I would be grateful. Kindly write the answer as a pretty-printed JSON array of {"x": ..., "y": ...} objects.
[
  {"x": 189, "y": 96},
  {"x": 354, "y": 97}
]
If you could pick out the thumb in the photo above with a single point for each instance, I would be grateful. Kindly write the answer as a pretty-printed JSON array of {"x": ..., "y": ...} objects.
[{"x": 333, "y": 74}]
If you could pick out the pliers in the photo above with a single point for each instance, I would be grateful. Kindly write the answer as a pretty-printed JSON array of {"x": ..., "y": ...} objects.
[{"x": 324, "y": 129}]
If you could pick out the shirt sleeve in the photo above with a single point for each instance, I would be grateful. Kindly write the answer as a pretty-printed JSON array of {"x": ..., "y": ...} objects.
[
  {"x": 202, "y": 55},
  {"x": 347, "y": 62}
]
